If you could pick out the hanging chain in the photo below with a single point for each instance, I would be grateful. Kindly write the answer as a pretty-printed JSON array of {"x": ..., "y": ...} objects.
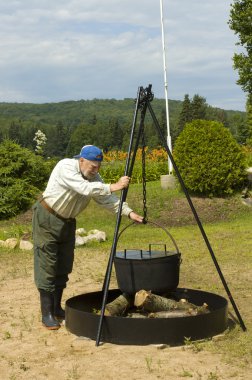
[{"x": 144, "y": 180}]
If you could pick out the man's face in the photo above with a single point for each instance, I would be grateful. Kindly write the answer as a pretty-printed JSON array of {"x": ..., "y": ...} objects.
[{"x": 89, "y": 168}]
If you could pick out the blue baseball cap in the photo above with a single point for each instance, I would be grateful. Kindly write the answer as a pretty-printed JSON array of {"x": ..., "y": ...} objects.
[{"x": 91, "y": 153}]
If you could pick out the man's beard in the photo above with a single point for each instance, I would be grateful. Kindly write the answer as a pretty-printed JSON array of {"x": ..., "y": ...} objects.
[{"x": 87, "y": 176}]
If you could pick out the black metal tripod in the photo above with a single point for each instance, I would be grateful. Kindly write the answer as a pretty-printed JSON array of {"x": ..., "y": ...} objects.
[{"x": 144, "y": 97}]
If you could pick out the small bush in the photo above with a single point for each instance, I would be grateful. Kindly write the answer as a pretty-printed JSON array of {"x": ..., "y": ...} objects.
[
  {"x": 22, "y": 175},
  {"x": 209, "y": 159},
  {"x": 111, "y": 172}
]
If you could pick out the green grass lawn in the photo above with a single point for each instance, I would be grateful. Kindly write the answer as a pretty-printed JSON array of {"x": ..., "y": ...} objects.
[{"x": 229, "y": 233}]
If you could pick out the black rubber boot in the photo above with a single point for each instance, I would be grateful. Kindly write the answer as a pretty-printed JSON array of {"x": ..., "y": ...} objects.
[
  {"x": 47, "y": 303},
  {"x": 59, "y": 313}
]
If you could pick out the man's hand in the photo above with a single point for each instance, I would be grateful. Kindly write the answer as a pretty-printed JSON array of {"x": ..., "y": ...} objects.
[
  {"x": 121, "y": 184},
  {"x": 135, "y": 217}
]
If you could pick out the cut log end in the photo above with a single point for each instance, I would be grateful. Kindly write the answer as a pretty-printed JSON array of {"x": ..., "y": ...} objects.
[{"x": 119, "y": 306}]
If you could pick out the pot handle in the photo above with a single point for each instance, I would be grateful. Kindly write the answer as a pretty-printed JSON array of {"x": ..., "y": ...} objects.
[{"x": 155, "y": 224}]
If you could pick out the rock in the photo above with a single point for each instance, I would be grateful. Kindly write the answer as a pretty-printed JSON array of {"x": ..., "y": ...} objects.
[
  {"x": 79, "y": 240},
  {"x": 93, "y": 232},
  {"x": 10, "y": 243},
  {"x": 86, "y": 239},
  {"x": 98, "y": 236},
  {"x": 81, "y": 231},
  {"x": 25, "y": 245},
  {"x": 93, "y": 235}
]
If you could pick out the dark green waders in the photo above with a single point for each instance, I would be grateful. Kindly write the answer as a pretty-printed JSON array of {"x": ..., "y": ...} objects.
[{"x": 54, "y": 241}]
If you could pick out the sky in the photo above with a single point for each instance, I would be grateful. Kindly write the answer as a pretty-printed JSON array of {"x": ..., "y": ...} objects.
[{"x": 53, "y": 51}]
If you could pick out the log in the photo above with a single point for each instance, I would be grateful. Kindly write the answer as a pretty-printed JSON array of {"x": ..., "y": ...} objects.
[
  {"x": 137, "y": 315},
  {"x": 179, "y": 313},
  {"x": 170, "y": 314},
  {"x": 155, "y": 303},
  {"x": 152, "y": 302},
  {"x": 119, "y": 305}
]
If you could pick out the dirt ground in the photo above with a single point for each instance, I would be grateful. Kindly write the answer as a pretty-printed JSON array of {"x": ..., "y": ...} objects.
[{"x": 29, "y": 351}]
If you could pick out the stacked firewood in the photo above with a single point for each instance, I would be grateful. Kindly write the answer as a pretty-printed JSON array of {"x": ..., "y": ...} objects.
[{"x": 145, "y": 304}]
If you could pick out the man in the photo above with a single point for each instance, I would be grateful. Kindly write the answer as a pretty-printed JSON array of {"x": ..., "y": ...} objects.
[{"x": 71, "y": 186}]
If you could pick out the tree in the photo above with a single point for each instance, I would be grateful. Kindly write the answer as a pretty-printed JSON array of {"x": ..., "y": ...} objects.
[
  {"x": 191, "y": 110},
  {"x": 198, "y": 108},
  {"x": 82, "y": 135},
  {"x": 57, "y": 143},
  {"x": 15, "y": 132},
  {"x": 185, "y": 114},
  {"x": 221, "y": 116},
  {"x": 163, "y": 122},
  {"x": 241, "y": 23},
  {"x": 117, "y": 134},
  {"x": 94, "y": 120}
]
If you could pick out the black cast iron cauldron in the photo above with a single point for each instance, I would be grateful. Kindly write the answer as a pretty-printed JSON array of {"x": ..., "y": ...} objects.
[{"x": 150, "y": 269}]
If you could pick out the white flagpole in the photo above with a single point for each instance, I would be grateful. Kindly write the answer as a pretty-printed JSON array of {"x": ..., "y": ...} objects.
[{"x": 166, "y": 88}]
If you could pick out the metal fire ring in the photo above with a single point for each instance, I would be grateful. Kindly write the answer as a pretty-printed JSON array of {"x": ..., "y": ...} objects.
[{"x": 81, "y": 320}]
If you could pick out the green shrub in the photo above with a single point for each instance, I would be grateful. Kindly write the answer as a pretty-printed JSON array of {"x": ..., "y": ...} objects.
[
  {"x": 22, "y": 175},
  {"x": 209, "y": 159},
  {"x": 112, "y": 171}
]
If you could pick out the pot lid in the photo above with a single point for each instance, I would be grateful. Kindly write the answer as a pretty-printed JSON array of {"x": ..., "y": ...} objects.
[{"x": 139, "y": 254}]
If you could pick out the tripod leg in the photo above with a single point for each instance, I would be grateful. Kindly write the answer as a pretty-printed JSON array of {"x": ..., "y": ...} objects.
[
  {"x": 128, "y": 170},
  {"x": 196, "y": 217}
]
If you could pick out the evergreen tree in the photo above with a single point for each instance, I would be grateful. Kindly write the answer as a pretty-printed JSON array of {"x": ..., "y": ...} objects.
[
  {"x": 185, "y": 114},
  {"x": 28, "y": 136},
  {"x": 198, "y": 108},
  {"x": 163, "y": 127},
  {"x": 15, "y": 133},
  {"x": 163, "y": 122},
  {"x": 82, "y": 135},
  {"x": 221, "y": 116},
  {"x": 126, "y": 128},
  {"x": 117, "y": 134},
  {"x": 151, "y": 136},
  {"x": 57, "y": 141},
  {"x": 94, "y": 120}
]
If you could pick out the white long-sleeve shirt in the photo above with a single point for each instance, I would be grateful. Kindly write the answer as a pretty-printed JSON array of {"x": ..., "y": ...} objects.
[{"x": 68, "y": 193}]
